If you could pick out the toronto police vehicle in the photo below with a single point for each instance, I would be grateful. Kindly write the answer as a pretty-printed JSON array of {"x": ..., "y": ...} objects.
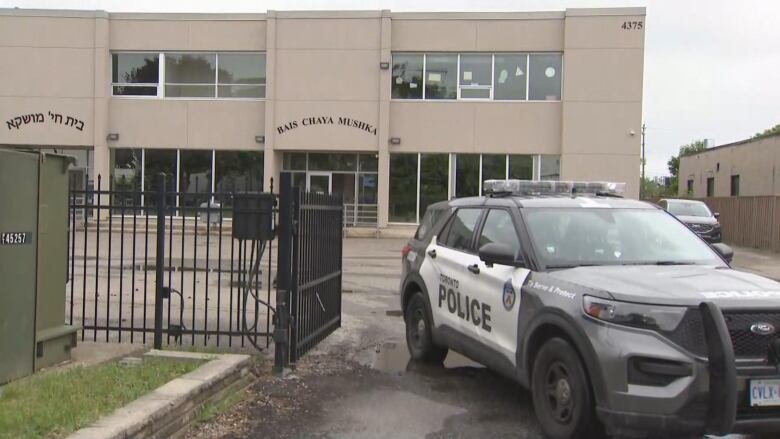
[{"x": 611, "y": 311}]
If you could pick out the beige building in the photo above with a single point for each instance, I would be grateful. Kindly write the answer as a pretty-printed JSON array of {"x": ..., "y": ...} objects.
[
  {"x": 749, "y": 167},
  {"x": 394, "y": 110}
]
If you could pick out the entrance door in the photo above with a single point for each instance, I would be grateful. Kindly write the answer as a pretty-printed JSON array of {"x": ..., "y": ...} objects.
[{"x": 319, "y": 182}]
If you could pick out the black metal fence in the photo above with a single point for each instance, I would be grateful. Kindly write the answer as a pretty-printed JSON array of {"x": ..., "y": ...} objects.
[{"x": 130, "y": 250}]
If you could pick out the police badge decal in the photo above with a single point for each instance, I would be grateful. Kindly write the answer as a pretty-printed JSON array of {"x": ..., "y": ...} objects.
[{"x": 509, "y": 295}]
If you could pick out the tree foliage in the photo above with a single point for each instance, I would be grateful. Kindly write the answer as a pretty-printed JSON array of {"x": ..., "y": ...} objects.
[
  {"x": 674, "y": 162},
  {"x": 768, "y": 132}
]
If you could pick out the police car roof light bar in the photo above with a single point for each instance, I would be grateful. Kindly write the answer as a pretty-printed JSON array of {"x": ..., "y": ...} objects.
[{"x": 539, "y": 187}]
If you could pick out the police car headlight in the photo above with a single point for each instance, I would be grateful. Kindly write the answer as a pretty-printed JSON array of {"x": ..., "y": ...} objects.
[{"x": 661, "y": 318}]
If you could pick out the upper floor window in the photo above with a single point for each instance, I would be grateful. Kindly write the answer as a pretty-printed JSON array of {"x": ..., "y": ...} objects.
[
  {"x": 135, "y": 74},
  {"x": 189, "y": 75},
  {"x": 484, "y": 76}
]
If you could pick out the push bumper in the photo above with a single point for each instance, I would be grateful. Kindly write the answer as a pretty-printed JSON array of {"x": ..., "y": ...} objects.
[{"x": 721, "y": 410}]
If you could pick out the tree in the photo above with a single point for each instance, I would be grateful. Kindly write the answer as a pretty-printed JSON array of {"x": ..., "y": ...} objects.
[
  {"x": 674, "y": 162},
  {"x": 768, "y": 132}
]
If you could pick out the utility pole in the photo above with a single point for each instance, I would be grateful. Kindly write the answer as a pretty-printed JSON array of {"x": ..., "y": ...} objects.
[{"x": 642, "y": 183}]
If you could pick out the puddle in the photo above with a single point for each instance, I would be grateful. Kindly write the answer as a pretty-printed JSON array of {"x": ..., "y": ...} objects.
[{"x": 394, "y": 357}]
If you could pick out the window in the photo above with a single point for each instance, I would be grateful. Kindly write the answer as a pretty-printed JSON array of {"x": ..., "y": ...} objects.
[
  {"x": 194, "y": 179},
  {"x": 466, "y": 175},
  {"x": 521, "y": 167},
  {"x": 434, "y": 175},
  {"x": 158, "y": 161},
  {"x": 735, "y": 185},
  {"x": 711, "y": 186},
  {"x": 407, "y": 76},
  {"x": 403, "y": 188},
  {"x": 429, "y": 220},
  {"x": 544, "y": 82},
  {"x": 493, "y": 167},
  {"x": 550, "y": 167},
  {"x": 238, "y": 171},
  {"x": 190, "y": 75},
  {"x": 241, "y": 75},
  {"x": 127, "y": 169},
  {"x": 510, "y": 76},
  {"x": 460, "y": 229},
  {"x": 294, "y": 161},
  {"x": 441, "y": 76},
  {"x": 486, "y": 76},
  {"x": 690, "y": 187},
  {"x": 135, "y": 74},
  {"x": 499, "y": 228},
  {"x": 476, "y": 76}
]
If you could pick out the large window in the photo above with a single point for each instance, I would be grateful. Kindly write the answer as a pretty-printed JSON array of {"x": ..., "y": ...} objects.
[
  {"x": 434, "y": 179},
  {"x": 403, "y": 188},
  {"x": 510, "y": 76},
  {"x": 485, "y": 76},
  {"x": 521, "y": 167},
  {"x": 135, "y": 74},
  {"x": 544, "y": 82},
  {"x": 466, "y": 175},
  {"x": 493, "y": 167},
  {"x": 241, "y": 75},
  {"x": 189, "y": 75},
  {"x": 476, "y": 76},
  {"x": 419, "y": 180},
  {"x": 194, "y": 178},
  {"x": 196, "y": 174},
  {"x": 407, "y": 76},
  {"x": 441, "y": 77},
  {"x": 238, "y": 171}
]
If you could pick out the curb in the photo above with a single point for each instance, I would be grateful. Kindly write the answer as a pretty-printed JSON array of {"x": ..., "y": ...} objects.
[{"x": 168, "y": 410}]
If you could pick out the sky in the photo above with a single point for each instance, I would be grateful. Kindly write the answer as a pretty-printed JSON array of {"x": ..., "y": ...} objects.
[{"x": 712, "y": 67}]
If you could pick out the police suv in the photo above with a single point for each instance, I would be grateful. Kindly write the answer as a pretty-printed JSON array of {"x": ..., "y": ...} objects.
[{"x": 611, "y": 311}]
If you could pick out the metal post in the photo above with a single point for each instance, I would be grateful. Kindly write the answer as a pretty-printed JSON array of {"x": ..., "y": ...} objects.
[
  {"x": 642, "y": 183},
  {"x": 160, "y": 261},
  {"x": 284, "y": 275}
]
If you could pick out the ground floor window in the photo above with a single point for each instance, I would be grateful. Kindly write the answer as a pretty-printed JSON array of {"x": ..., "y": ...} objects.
[
  {"x": 353, "y": 175},
  {"x": 419, "y": 180},
  {"x": 195, "y": 174}
]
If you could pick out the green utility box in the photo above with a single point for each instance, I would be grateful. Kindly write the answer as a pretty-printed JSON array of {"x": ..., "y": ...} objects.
[{"x": 33, "y": 262}]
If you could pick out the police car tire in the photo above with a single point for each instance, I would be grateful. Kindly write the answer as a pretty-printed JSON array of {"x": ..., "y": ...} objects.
[
  {"x": 420, "y": 343},
  {"x": 557, "y": 358}
]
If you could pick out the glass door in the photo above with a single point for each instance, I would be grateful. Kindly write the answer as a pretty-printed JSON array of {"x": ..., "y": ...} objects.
[{"x": 319, "y": 182}]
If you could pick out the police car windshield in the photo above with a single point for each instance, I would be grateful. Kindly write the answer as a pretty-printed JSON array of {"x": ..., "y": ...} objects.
[{"x": 571, "y": 237}]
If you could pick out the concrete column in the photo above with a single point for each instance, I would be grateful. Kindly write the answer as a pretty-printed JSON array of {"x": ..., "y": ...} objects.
[
  {"x": 271, "y": 163},
  {"x": 383, "y": 132},
  {"x": 102, "y": 81}
]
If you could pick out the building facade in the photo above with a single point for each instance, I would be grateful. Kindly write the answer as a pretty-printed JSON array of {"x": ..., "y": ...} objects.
[
  {"x": 393, "y": 110},
  {"x": 746, "y": 168}
]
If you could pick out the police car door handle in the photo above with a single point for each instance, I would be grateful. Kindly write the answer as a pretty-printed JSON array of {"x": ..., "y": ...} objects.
[
  {"x": 432, "y": 252},
  {"x": 474, "y": 268}
]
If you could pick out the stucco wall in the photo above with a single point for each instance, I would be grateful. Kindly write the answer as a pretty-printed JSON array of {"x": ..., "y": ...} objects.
[{"x": 756, "y": 162}]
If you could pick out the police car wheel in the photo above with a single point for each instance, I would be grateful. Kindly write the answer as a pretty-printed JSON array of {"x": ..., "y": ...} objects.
[
  {"x": 419, "y": 339},
  {"x": 561, "y": 393}
]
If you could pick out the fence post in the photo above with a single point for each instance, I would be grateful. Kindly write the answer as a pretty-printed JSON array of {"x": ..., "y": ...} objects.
[
  {"x": 160, "y": 261},
  {"x": 284, "y": 275}
]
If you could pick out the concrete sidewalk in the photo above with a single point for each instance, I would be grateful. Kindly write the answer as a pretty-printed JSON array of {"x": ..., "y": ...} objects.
[{"x": 763, "y": 262}]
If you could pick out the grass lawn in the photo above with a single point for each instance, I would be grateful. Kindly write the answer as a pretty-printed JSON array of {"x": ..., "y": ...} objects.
[{"x": 57, "y": 403}]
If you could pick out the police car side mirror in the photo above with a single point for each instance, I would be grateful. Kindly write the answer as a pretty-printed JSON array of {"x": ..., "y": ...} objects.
[
  {"x": 496, "y": 253},
  {"x": 724, "y": 251}
]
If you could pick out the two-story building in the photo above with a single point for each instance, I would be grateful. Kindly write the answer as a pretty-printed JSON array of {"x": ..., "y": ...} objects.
[{"x": 393, "y": 110}]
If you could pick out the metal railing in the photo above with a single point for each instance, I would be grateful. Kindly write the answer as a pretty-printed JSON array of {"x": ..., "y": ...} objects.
[{"x": 360, "y": 215}]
